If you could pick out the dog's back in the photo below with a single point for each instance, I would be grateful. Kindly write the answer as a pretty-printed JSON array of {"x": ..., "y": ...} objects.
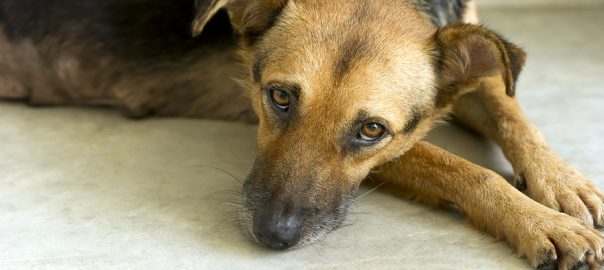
[{"x": 138, "y": 55}]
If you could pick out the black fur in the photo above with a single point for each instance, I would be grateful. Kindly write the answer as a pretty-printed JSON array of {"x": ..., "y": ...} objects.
[
  {"x": 257, "y": 70},
  {"x": 352, "y": 50},
  {"x": 137, "y": 29},
  {"x": 442, "y": 12},
  {"x": 517, "y": 58},
  {"x": 413, "y": 122}
]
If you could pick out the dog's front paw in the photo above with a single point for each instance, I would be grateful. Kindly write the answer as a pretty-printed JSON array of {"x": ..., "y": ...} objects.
[
  {"x": 554, "y": 184},
  {"x": 558, "y": 241}
]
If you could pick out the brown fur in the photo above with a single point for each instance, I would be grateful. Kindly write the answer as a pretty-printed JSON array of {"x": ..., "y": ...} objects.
[{"x": 344, "y": 64}]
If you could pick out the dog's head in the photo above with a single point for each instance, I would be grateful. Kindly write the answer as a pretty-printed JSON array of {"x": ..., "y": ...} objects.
[{"x": 341, "y": 87}]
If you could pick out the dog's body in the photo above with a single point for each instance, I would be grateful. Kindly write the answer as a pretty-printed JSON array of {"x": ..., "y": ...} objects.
[
  {"x": 136, "y": 55},
  {"x": 339, "y": 88}
]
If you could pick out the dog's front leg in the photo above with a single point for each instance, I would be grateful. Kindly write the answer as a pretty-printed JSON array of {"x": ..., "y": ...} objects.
[
  {"x": 546, "y": 237},
  {"x": 540, "y": 172}
]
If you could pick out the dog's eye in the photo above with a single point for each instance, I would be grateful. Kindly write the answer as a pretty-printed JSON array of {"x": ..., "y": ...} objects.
[
  {"x": 371, "y": 131},
  {"x": 280, "y": 98}
]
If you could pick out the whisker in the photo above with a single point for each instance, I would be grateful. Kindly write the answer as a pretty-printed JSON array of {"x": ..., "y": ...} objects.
[
  {"x": 228, "y": 192},
  {"x": 359, "y": 213},
  {"x": 224, "y": 195},
  {"x": 376, "y": 170},
  {"x": 221, "y": 170},
  {"x": 231, "y": 204},
  {"x": 360, "y": 196},
  {"x": 349, "y": 222}
]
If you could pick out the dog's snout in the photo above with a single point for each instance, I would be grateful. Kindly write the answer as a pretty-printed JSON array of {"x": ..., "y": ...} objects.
[
  {"x": 277, "y": 229},
  {"x": 290, "y": 204}
]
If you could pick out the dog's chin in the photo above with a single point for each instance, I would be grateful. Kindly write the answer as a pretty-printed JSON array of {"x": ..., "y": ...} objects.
[{"x": 315, "y": 229}]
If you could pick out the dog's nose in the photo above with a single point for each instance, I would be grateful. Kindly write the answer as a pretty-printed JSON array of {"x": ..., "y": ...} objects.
[{"x": 278, "y": 231}]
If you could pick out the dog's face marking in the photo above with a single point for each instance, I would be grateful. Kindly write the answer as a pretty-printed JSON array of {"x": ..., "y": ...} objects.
[
  {"x": 339, "y": 88},
  {"x": 352, "y": 50},
  {"x": 414, "y": 121}
]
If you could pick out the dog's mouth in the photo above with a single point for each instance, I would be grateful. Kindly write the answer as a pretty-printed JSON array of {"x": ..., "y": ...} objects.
[{"x": 279, "y": 225}]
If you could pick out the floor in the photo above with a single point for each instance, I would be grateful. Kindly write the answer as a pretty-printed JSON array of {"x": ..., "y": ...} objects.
[{"x": 88, "y": 189}]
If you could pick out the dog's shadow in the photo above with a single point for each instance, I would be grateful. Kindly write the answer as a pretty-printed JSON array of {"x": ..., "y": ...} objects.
[{"x": 471, "y": 146}]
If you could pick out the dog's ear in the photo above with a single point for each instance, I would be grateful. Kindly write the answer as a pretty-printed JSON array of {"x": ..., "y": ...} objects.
[
  {"x": 207, "y": 9},
  {"x": 466, "y": 52},
  {"x": 250, "y": 18}
]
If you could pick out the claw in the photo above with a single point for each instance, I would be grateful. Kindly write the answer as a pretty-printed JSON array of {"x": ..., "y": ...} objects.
[
  {"x": 519, "y": 182},
  {"x": 589, "y": 253},
  {"x": 580, "y": 266},
  {"x": 552, "y": 255},
  {"x": 548, "y": 265}
]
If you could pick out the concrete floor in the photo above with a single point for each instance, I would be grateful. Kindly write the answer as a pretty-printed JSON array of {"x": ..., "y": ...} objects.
[{"x": 88, "y": 189}]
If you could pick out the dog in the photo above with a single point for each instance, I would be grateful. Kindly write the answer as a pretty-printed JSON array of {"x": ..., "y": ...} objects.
[{"x": 341, "y": 90}]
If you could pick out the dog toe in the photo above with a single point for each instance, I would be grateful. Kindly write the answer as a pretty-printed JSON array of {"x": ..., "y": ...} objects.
[
  {"x": 564, "y": 242},
  {"x": 581, "y": 266},
  {"x": 594, "y": 204},
  {"x": 571, "y": 204},
  {"x": 519, "y": 182},
  {"x": 569, "y": 193}
]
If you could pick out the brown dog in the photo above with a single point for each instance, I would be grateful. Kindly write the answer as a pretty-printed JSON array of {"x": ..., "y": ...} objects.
[{"x": 339, "y": 89}]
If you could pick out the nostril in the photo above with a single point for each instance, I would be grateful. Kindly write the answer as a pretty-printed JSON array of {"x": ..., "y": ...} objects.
[
  {"x": 273, "y": 240},
  {"x": 279, "y": 245}
]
